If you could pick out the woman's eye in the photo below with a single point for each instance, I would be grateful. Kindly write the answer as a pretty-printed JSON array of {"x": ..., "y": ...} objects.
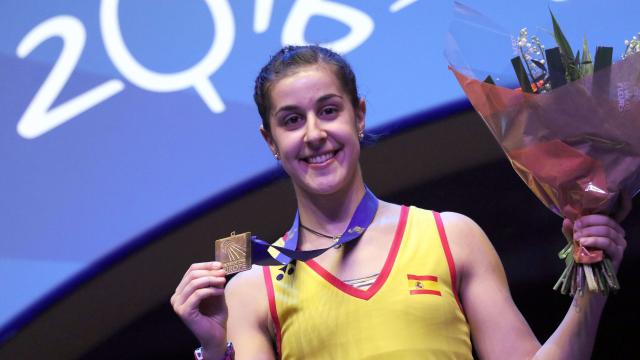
[
  {"x": 291, "y": 120},
  {"x": 329, "y": 111}
]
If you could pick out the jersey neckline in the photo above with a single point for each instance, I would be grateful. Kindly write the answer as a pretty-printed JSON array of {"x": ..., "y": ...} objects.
[{"x": 384, "y": 273}]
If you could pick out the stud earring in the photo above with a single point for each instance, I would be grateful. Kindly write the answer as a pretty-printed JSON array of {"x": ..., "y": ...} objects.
[
  {"x": 277, "y": 156},
  {"x": 361, "y": 135}
]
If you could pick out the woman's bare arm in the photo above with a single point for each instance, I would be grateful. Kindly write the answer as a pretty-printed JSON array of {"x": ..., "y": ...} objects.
[
  {"x": 248, "y": 325},
  {"x": 498, "y": 329}
]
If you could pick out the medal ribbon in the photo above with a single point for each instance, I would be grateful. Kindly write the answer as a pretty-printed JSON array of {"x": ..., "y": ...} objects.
[{"x": 360, "y": 221}]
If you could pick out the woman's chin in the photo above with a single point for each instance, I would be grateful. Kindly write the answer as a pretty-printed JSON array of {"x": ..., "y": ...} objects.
[{"x": 323, "y": 186}]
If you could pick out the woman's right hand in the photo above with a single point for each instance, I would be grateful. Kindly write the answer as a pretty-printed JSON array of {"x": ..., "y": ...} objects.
[{"x": 199, "y": 301}]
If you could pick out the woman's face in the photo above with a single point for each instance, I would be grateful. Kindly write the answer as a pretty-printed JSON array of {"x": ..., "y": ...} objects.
[{"x": 314, "y": 129}]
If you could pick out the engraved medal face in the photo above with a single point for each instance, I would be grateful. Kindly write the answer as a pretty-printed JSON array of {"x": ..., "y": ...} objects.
[{"x": 234, "y": 252}]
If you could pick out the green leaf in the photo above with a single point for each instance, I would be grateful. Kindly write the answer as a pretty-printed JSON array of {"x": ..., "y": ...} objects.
[
  {"x": 561, "y": 40},
  {"x": 587, "y": 65},
  {"x": 571, "y": 68}
]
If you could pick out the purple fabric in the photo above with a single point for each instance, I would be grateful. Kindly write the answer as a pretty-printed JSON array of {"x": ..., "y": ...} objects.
[{"x": 361, "y": 219}]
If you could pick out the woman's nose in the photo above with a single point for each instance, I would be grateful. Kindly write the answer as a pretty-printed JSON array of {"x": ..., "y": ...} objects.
[{"x": 315, "y": 133}]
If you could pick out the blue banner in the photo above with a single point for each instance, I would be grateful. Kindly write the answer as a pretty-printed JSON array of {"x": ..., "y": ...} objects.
[{"x": 118, "y": 115}]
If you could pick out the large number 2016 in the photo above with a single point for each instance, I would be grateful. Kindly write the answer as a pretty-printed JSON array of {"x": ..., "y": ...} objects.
[{"x": 39, "y": 117}]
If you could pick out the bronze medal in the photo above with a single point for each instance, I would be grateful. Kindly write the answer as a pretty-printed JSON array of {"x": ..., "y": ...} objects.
[{"x": 234, "y": 252}]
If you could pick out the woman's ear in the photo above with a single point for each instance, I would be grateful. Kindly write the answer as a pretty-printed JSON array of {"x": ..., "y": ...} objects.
[
  {"x": 361, "y": 113},
  {"x": 266, "y": 135}
]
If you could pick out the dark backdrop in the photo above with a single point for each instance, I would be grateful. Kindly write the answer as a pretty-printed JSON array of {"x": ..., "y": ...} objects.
[{"x": 525, "y": 234}]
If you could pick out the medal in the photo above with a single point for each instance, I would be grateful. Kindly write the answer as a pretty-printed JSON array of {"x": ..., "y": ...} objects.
[{"x": 234, "y": 252}]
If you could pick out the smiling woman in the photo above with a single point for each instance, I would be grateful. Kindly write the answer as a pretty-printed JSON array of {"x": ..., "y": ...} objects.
[{"x": 409, "y": 283}]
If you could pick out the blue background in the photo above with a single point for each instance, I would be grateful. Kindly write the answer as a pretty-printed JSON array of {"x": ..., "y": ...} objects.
[{"x": 87, "y": 188}]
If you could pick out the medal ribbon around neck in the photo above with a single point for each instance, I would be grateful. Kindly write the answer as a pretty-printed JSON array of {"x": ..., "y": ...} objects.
[{"x": 360, "y": 221}]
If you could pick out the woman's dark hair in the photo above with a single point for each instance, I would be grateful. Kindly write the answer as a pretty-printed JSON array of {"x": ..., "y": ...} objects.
[{"x": 290, "y": 58}]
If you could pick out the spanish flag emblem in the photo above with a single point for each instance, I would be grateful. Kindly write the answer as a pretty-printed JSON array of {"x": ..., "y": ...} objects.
[{"x": 423, "y": 284}]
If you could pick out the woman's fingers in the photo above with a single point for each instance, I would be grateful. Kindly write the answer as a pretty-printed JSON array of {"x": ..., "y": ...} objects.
[
  {"x": 601, "y": 232},
  {"x": 191, "y": 304},
  {"x": 598, "y": 225},
  {"x": 610, "y": 248},
  {"x": 213, "y": 268},
  {"x": 203, "y": 283},
  {"x": 199, "y": 276},
  {"x": 199, "y": 301},
  {"x": 210, "y": 265},
  {"x": 196, "y": 283}
]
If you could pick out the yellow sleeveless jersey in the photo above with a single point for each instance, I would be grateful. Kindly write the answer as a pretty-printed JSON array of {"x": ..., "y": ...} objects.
[{"x": 411, "y": 311}]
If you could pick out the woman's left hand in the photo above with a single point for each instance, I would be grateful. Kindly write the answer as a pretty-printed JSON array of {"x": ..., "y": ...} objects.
[{"x": 598, "y": 232}]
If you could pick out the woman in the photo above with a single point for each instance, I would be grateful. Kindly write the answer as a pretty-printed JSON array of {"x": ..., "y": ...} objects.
[{"x": 415, "y": 284}]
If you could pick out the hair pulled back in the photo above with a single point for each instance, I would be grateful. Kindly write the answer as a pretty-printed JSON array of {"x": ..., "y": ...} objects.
[{"x": 290, "y": 58}]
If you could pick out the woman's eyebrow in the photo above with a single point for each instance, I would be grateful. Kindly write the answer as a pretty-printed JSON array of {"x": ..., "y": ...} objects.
[
  {"x": 295, "y": 107},
  {"x": 287, "y": 108},
  {"x": 327, "y": 97}
]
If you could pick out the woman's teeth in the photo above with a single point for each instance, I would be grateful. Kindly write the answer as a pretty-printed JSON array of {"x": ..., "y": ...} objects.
[{"x": 320, "y": 158}]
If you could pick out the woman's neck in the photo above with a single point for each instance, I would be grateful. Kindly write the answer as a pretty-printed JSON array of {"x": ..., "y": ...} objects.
[{"x": 330, "y": 214}]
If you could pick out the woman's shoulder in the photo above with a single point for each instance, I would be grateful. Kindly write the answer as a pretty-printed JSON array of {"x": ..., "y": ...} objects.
[
  {"x": 246, "y": 297},
  {"x": 462, "y": 229},
  {"x": 467, "y": 240},
  {"x": 250, "y": 279},
  {"x": 457, "y": 227},
  {"x": 247, "y": 285},
  {"x": 450, "y": 219},
  {"x": 458, "y": 221}
]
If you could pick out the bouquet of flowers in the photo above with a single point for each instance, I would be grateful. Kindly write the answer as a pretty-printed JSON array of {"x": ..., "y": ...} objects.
[{"x": 571, "y": 131}]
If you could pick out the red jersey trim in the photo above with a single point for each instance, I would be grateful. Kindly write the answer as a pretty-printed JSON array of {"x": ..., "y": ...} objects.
[
  {"x": 272, "y": 308},
  {"x": 424, "y": 291},
  {"x": 447, "y": 252},
  {"x": 384, "y": 273},
  {"x": 422, "y": 277}
]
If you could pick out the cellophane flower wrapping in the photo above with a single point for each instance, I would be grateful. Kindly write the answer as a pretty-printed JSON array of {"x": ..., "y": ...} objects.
[{"x": 577, "y": 147}]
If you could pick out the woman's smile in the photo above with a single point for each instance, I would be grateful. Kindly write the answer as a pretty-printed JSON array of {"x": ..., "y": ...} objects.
[{"x": 321, "y": 158}]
